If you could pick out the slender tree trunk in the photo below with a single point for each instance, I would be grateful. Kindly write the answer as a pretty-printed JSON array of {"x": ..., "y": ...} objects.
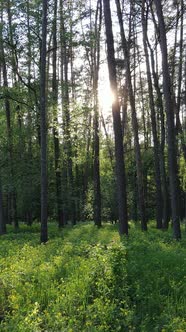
[
  {"x": 119, "y": 152},
  {"x": 172, "y": 153},
  {"x": 173, "y": 57},
  {"x": 179, "y": 129},
  {"x": 66, "y": 121},
  {"x": 141, "y": 199},
  {"x": 160, "y": 107},
  {"x": 55, "y": 125},
  {"x": 96, "y": 59},
  {"x": 64, "y": 177},
  {"x": 153, "y": 123},
  {"x": 11, "y": 40},
  {"x": 11, "y": 194},
  {"x": 29, "y": 119},
  {"x": 162, "y": 144},
  {"x": 43, "y": 115}
]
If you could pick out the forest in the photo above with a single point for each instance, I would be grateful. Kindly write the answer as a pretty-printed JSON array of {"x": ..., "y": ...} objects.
[{"x": 92, "y": 165}]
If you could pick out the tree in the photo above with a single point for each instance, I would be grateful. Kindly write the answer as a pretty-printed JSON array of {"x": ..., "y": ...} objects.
[
  {"x": 179, "y": 128},
  {"x": 160, "y": 110},
  {"x": 44, "y": 230},
  {"x": 70, "y": 211},
  {"x": 60, "y": 213},
  {"x": 96, "y": 161},
  {"x": 172, "y": 159},
  {"x": 141, "y": 199},
  {"x": 11, "y": 190},
  {"x": 153, "y": 121},
  {"x": 119, "y": 152}
]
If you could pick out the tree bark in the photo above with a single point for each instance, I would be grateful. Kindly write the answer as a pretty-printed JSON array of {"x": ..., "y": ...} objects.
[
  {"x": 165, "y": 196},
  {"x": 60, "y": 213},
  {"x": 43, "y": 116},
  {"x": 153, "y": 123},
  {"x": 12, "y": 213},
  {"x": 179, "y": 129},
  {"x": 160, "y": 107},
  {"x": 172, "y": 153},
  {"x": 141, "y": 199},
  {"x": 96, "y": 163},
  {"x": 119, "y": 152},
  {"x": 66, "y": 122}
]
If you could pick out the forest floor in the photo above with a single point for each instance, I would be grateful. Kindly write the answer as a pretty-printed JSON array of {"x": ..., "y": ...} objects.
[{"x": 88, "y": 280}]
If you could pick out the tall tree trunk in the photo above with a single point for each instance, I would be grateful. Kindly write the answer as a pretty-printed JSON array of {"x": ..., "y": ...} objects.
[
  {"x": 66, "y": 122},
  {"x": 172, "y": 153},
  {"x": 55, "y": 123},
  {"x": 43, "y": 116},
  {"x": 153, "y": 123},
  {"x": 11, "y": 40},
  {"x": 179, "y": 129},
  {"x": 162, "y": 143},
  {"x": 96, "y": 63},
  {"x": 160, "y": 107},
  {"x": 11, "y": 193},
  {"x": 29, "y": 119},
  {"x": 141, "y": 199},
  {"x": 119, "y": 152}
]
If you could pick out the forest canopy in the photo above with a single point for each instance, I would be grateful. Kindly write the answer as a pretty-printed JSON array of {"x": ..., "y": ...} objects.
[{"x": 92, "y": 113}]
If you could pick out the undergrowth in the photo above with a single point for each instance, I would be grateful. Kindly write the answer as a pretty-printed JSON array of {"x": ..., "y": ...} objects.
[{"x": 86, "y": 280}]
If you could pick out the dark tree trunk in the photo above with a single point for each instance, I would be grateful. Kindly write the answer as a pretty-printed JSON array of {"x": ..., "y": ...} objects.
[
  {"x": 11, "y": 41},
  {"x": 172, "y": 153},
  {"x": 44, "y": 228},
  {"x": 179, "y": 129},
  {"x": 55, "y": 124},
  {"x": 96, "y": 163},
  {"x": 164, "y": 182},
  {"x": 11, "y": 195},
  {"x": 162, "y": 144},
  {"x": 141, "y": 199},
  {"x": 153, "y": 123},
  {"x": 29, "y": 127},
  {"x": 119, "y": 152},
  {"x": 66, "y": 122}
]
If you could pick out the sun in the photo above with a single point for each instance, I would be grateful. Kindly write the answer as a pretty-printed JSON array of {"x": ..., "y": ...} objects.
[
  {"x": 106, "y": 99},
  {"x": 105, "y": 94}
]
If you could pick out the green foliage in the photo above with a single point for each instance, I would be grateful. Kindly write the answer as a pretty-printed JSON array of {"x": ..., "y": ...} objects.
[
  {"x": 182, "y": 173},
  {"x": 69, "y": 284},
  {"x": 88, "y": 206},
  {"x": 86, "y": 279},
  {"x": 108, "y": 188},
  {"x": 156, "y": 272}
]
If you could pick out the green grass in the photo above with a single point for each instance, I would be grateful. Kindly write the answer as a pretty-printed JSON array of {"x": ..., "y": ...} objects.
[{"x": 86, "y": 280}]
